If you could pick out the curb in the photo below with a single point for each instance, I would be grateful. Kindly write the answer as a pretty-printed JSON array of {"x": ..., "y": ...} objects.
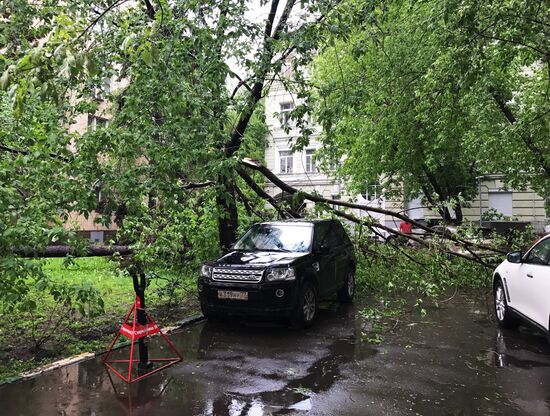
[{"x": 89, "y": 355}]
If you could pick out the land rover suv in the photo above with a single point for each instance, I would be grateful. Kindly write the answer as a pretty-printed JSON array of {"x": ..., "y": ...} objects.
[{"x": 280, "y": 269}]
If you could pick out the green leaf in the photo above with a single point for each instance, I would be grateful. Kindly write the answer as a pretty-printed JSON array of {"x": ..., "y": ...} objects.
[
  {"x": 147, "y": 57},
  {"x": 24, "y": 63},
  {"x": 127, "y": 42},
  {"x": 91, "y": 66},
  {"x": 4, "y": 80}
]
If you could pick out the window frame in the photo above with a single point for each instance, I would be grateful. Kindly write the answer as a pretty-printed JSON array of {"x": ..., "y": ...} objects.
[
  {"x": 284, "y": 113},
  {"x": 309, "y": 163},
  {"x": 92, "y": 122},
  {"x": 288, "y": 156},
  {"x": 527, "y": 259}
]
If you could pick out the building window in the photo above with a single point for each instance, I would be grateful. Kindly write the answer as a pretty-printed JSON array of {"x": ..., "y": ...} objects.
[
  {"x": 286, "y": 109},
  {"x": 101, "y": 89},
  {"x": 95, "y": 123},
  {"x": 311, "y": 167},
  {"x": 335, "y": 197},
  {"x": 501, "y": 202},
  {"x": 333, "y": 164},
  {"x": 285, "y": 161},
  {"x": 371, "y": 191},
  {"x": 97, "y": 236}
]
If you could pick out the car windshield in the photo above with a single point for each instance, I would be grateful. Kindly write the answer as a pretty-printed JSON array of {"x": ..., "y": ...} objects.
[{"x": 271, "y": 237}]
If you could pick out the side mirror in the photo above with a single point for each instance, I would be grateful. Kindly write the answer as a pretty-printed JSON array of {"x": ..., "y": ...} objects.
[
  {"x": 227, "y": 250},
  {"x": 514, "y": 257}
]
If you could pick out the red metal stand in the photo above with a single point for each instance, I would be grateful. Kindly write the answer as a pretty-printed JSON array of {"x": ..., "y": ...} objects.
[{"x": 133, "y": 330}]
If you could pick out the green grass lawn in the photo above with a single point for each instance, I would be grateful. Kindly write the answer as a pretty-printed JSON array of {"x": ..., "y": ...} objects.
[
  {"x": 53, "y": 330},
  {"x": 117, "y": 290}
]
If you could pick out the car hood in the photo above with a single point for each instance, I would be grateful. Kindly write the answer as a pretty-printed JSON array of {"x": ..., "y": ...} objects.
[{"x": 258, "y": 258}]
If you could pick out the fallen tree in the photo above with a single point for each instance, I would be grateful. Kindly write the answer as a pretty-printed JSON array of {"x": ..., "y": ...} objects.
[
  {"x": 372, "y": 223},
  {"x": 64, "y": 251}
]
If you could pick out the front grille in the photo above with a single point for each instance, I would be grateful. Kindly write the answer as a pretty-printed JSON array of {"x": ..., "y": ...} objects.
[{"x": 237, "y": 275}]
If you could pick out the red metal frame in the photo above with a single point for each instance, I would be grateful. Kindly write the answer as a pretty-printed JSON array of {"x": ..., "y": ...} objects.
[{"x": 133, "y": 332}]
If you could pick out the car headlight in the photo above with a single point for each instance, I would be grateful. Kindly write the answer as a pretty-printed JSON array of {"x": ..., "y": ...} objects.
[
  {"x": 206, "y": 271},
  {"x": 286, "y": 273}
]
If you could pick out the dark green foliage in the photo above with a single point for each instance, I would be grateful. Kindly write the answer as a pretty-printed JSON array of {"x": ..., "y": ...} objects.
[{"x": 430, "y": 94}]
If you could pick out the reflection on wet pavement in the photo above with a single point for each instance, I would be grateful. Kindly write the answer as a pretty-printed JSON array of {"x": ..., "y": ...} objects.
[{"x": 453, "y": 362}]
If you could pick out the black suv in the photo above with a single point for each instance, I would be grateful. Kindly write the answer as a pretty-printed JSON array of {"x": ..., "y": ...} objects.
[{"x": 280, "y": 269}]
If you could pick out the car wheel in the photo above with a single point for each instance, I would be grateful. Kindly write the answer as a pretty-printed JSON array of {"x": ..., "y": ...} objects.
[
  {"x": 306, "y": 307},
  {"x": 208, "y": 314},
  {"x": 347, "y": 291},
  {"x": 205, "y": 311},
  {"x": 502, "y": 312}
]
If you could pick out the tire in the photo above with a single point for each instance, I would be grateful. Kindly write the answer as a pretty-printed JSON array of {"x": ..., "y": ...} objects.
[
  {"x": 347, "y": 291},
  {"x": 306, "y": 308},
  {"x": 208, "y": 314},
  {"x": 205, "y": 311},
  {"x": 502, "y": 312}
]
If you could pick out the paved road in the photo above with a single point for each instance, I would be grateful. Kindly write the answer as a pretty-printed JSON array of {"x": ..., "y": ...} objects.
[{"x": 455, "y": 362}]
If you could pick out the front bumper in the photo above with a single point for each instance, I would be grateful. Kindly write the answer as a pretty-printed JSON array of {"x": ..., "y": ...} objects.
[{"x": 262, "y": 299}]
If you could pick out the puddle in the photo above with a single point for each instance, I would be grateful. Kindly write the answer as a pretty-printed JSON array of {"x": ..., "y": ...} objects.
[
  {"x": 456, "y": 362},
  {"x": 525, "y": 350}
]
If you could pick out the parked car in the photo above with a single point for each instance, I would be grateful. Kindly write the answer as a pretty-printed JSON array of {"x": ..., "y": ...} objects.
[
  {"x": 280, "y": 269},
  {"x": 521, "y": 287}
]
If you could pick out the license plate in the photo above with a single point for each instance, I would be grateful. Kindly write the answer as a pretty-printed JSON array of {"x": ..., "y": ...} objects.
[{"x": 229, "y": 294}]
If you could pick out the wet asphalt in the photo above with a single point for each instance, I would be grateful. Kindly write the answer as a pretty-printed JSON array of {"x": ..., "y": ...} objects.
[{"x": 454, "y": 361}]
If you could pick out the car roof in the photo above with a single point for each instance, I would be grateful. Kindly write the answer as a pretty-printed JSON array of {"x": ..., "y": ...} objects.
[
  {"x": 544, "y": 237},
  {"x": 298, "y": 221}
]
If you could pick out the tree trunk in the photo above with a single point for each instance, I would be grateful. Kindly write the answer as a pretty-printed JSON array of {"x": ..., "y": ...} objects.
[
  {"x": 64, "y": 251},
  {"x": 445, "y": 214},
  {"x": 228, "y": 217},
  {"x": 458, "y": 213},
  {"x": 225, "y": 200}
]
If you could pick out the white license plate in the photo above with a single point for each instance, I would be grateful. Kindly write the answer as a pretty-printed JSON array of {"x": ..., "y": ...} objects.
[{"x": 229, "y": 294}]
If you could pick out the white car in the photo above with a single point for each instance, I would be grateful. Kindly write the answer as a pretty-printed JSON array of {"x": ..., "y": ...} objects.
[{"x": 521, "y": 288}]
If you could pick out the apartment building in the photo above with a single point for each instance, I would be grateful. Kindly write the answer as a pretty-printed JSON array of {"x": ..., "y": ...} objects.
[
  {"x": 298, "y": 169},
  {"x": 87, "y": 227}
]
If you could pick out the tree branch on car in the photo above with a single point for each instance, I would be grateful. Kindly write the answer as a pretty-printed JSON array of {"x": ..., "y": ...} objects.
[{"x": 255, "y": 165}]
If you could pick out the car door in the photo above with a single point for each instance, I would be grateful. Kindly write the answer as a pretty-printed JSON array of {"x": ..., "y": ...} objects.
[
  {"x": 533, "y": 284},
  {"x": 341, "y": 262},
  {"x": 323, "y": 258}
]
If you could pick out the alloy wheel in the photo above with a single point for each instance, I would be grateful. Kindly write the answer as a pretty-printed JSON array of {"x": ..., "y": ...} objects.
[
  {"x": 500, "y": 303},
  {"x": 351, "y": 284},
  {"x": 309, "y": 305}
]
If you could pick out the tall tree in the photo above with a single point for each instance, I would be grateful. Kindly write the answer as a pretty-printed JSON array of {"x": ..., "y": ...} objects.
[
  {"x": 183, "y": 82},
  {"x": 430, "y": 94},
  {"x": 501, "y": 50},
  {"x": 389, "y": 106}
]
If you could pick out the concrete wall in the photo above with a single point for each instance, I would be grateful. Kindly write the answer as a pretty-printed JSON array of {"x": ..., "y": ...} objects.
[{"x": 525, "y": 205}]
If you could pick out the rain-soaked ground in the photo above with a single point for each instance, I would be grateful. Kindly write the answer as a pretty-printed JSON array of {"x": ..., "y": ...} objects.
[{"x": 452, "y": 362}]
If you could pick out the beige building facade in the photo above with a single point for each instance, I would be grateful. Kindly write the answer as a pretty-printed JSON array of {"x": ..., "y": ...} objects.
[
  {"x": 88, "y": 227},
  {"x": 298, "y": 169}
]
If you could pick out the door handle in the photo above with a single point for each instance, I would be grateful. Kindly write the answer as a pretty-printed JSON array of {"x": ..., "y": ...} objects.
[{"x": 530, "y": 275}]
